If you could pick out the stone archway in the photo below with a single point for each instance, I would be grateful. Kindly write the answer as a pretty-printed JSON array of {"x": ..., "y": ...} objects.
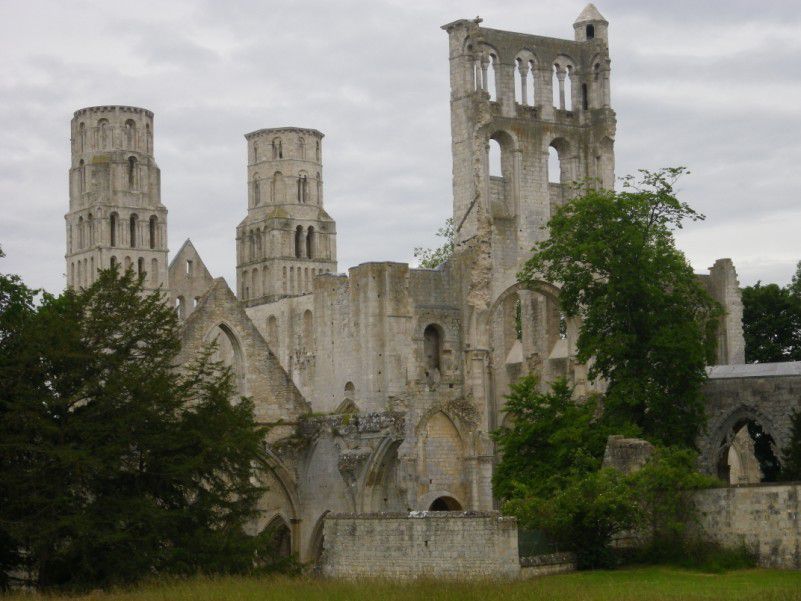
[
  {"x": 445, "y": 503},
  {"x": 745, "y": 450},
  {"x": 229, "y": 353}
]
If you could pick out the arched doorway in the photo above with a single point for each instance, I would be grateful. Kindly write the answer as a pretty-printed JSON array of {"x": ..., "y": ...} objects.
[
  {"x": 747, "y": 453},
  {"x": 278, "y": 541},
  {"x": 445, "y": 504}
]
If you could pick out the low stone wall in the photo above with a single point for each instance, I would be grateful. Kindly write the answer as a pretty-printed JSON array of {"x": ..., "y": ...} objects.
[
  {"x": 543, "y": 565},
  {"x": 441, "y": 544},
  {"x": 766, "y": 518}
]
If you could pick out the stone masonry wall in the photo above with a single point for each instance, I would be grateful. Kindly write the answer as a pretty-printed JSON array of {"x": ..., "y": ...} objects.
[
  {"x": 763, "y": 517},
  {"x": 450, "y": 545}
]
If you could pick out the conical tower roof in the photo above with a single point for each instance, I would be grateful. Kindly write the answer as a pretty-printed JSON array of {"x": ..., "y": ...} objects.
[{"x": 590, "y": 13}]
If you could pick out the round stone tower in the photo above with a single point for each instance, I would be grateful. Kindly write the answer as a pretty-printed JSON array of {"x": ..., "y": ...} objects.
[
  {"x": 115, "y": 214},
  {"x": 287, "y": 237}
]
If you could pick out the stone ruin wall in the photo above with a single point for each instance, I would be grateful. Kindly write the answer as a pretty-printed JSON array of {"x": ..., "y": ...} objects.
[
  {"x": 445, "y": 545},
  {"x": 766, "y": 518}
]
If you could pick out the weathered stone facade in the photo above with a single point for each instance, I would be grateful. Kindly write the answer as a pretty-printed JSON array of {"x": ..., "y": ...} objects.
[
  {"x": 449, "y": 545},
  {"x": 383, "y": 384},
  {"x": 765, "y": 518}
]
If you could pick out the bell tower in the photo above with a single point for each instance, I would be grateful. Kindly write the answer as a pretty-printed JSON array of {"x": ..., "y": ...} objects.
[
  {"x": 286, "y": 238},
  {"x": 115, "y": 212},
  {"x": 543, "y": 105}
]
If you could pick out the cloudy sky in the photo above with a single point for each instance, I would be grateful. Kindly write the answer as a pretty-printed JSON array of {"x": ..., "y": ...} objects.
[{"x": 712, "y": 85}]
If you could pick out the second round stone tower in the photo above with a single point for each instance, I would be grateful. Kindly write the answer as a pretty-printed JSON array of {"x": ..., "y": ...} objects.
[{"x": 286, "y": 238}]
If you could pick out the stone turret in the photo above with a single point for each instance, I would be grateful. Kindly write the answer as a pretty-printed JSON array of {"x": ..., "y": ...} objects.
[
  {"x": 287, "y": 237},
  {"x": 591, "y": 25},
  {"x": 115, "y": 212}
]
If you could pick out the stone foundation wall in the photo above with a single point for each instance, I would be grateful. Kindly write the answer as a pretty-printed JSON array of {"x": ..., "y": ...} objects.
[
  {"x": 764, "y": 517},
  {"x": 450, "y": 545}
]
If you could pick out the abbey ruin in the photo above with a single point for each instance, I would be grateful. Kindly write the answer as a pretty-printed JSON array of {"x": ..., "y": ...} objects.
[{"x": 404, "y": 369}]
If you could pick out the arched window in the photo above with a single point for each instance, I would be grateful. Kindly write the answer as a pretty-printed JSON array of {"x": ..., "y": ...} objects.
[
  {"x": 432, "y": 349},
  {"x": 310, "y": 243},
  {"x": 133, "y": 224},
  {"x": 302, "y": 187},
  {"x": 278, "y": 151},
  {"x": 590, "y": 31},
  {"x": 495, "y": 158},
  {"x": 299, "y": 242},
  {"x": 82, "y": 137},
  {"x": 90, "y": 226},
  {"x": 308, "y": 330},
  {"x": 81, "y": 239},
  {"x": 558, "y": 164},
  {"x": 127, "y": 263},
  {"x": 302, "y": 148},
  {"x": 113, "y": 262},
  {"x": 554, "y": 176},
  {"x": 140, "y": 266},
  {"x": 102, "y": 134},
  {"x": 278, "y": 191},
  {"x": 492, "y": 77},
  {"x": 272, "y": 333},
  {"x": 585, "y": 99},
  {"x": 82, "y": 176},
  {"x": 130, "y": 134},
  {"x": 256, "y": 191},
  {"x": 132, "y": 173},
  {"x": 152, "y": 230},
  {"x": 154, "y": 272},
  {"x": 112, "y": 228}
]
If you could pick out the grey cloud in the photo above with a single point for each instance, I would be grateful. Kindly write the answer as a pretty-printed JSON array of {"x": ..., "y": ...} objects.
[{"x": 373, "y": 76}]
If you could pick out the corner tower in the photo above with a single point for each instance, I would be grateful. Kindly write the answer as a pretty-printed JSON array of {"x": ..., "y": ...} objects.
[
  {"x": 286, "y": 238},
  {"x": 528, "y": 97},
  {"x": 115, "y": 213}
]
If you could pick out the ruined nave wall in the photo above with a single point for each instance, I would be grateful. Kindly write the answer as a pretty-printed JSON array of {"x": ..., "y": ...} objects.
[{"x": 361, "y": 339}]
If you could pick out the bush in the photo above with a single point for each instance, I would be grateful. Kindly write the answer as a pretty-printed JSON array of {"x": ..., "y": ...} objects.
[{"x": 695, "y": 555}]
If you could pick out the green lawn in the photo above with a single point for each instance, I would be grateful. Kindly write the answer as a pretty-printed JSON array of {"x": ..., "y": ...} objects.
[{"x": 653, "y": 584}]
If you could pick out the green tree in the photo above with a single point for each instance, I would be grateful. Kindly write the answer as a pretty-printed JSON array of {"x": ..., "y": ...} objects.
[
  {"x": 16, "y": 310},
  {"x": 772, "y": 322},
  {"x": 431, "y": 258},
  {"x": 115, "y": 464},
  {"x": 646, "y": 322},
  {"x": 550, "y": 438},
  {"x": 583, "y": 516}
]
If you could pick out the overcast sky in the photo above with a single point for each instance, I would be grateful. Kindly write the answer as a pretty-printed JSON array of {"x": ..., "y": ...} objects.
[{"x": 712, "y": 85}]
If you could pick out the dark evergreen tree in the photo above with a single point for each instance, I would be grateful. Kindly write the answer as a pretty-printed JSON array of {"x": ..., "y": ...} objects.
[
  {"x": 772, "y": 322},
  {"x": 116, "y": 463}
]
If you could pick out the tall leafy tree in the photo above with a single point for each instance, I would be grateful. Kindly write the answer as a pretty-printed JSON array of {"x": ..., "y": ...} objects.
[
  {"x": 772, "y": 321},
  {"x": 114, "y": 462},
  {"x": 646, "y": 322}
]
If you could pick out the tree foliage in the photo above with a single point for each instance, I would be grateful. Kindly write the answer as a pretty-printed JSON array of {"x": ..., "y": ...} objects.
[
  {"x": 114, "y": 463},
  {"x": 549, "y": 438},
  {"x": 431, "y": 258},
  {"x": 646, "y": 322},
  {"x": 551, "y": 478},
  {"x": 772, "y": 321}
]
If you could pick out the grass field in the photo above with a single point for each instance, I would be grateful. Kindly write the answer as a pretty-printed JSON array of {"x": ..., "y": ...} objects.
[{"x": 652, "y": 584}]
